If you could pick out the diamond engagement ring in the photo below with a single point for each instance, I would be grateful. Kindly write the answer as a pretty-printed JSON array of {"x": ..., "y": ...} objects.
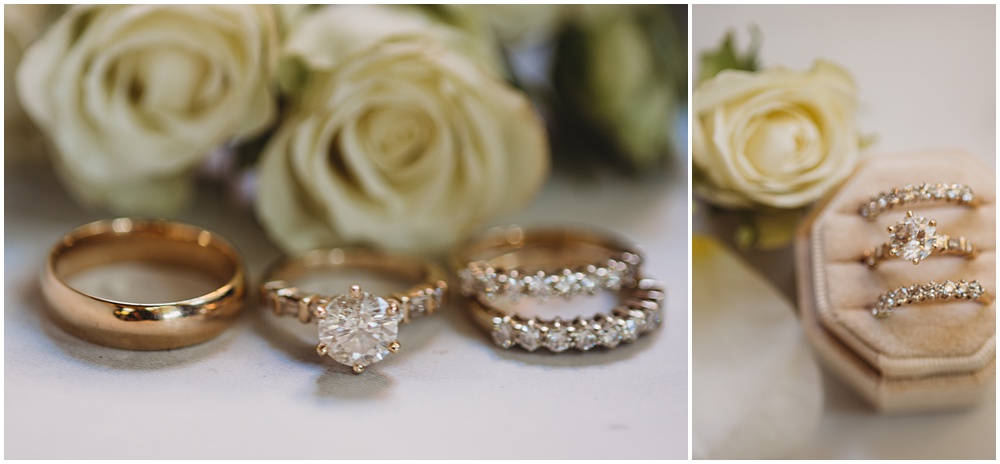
[
  {"x": 931, "y": 291},
  {"x": 909, "y": 194},
  {"x": 513, "y": 263},
  {"x": 914, "y": 239},
  {"x": 162, "y": 325},
  {"x": 355, "y": 328}
]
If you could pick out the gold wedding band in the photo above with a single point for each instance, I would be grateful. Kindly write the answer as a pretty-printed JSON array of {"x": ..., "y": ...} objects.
[
  {"x": 356, "y": 328},
  {"x": 515, "y": 262},
  {"x": 143, "y": 326}
]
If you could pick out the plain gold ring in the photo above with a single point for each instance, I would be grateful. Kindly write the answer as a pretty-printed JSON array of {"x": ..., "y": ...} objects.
[{"x": 143, "y": 326}]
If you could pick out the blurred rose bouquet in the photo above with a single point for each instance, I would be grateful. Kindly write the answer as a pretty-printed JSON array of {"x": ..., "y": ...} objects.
[
  {"x": 770, "y": 141},
  {"x": 400, "y": 126}
]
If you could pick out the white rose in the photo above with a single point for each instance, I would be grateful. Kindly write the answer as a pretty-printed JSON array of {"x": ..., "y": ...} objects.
[
  {"x": 776, "y": 137},
  {"x": 22, "y": 24},
  {"x": 135, "y": 96},
  {"x": 397, "y": 139}
]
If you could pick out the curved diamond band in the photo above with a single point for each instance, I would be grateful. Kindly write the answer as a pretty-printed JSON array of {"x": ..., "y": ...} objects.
[
  {"x": 909, "y": 194},
  {"x": 541, "y": 263},
  {"x": 516, "y": 262},
  {"x": 639, "y": 313},
  {"x": 915, "y": 238},
  {"x": 931, "y": 291},
  {"x": 356, "y": 328}
]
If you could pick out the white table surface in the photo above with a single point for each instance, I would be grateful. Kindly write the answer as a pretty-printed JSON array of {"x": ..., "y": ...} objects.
[
  {"x": 927, "y": 80},
  {"x": 258, "y": 392}
]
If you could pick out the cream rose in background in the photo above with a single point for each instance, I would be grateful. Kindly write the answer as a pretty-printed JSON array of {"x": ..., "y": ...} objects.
[
  {"x": 22, "y": 24},
  {"x": 135, "y": 96},
  {"x": 777, "y": 137},
  {"x": 398, "y": 136}
]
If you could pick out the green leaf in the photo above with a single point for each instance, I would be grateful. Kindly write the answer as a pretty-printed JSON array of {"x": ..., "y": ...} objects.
[{"x": 728, "y": 57}]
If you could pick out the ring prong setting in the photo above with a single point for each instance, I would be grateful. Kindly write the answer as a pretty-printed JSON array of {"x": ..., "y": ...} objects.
[
  {"x": 322, "y": 349},
  {"x": 355, "y": 291},
  {"x": 358, "y": 368},
  {"x": 394, "y": 347}
]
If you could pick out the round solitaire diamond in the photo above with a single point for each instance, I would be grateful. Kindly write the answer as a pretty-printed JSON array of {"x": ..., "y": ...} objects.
[
  {"x": 358, "y": 330},
  {"x": 913, "y": 238}
]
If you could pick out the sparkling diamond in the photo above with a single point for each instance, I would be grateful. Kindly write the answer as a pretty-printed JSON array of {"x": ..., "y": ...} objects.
[
  {"x": 558, "y": 337},
  {"x": 967, "y": 195},
  {"x": 563, "y": 285},
  {"x": 961, "y": 290},
  {"x": 513, "y": 287},
  {"x": 926, "y": 191},
  {"x": 488, "y": 283},
  {"x": 358, "y": 331},
  {"x": 583, "y": 335},
  {"x": 940, "y": 191},
  {"x": 503, "y": 334},
  {"x": 930, "y": 291},
  {"x": 652, "y": 320},
  {"x": 612, "y": 279},
  {"x": 535, "y": 286},
  {"x": 628, "y": 326},
  {"x": 913, "y": 238},
  {"x": 607, "y": 331},
  {"x": 954, "y": 192},
  {"x": 903, "y": 296},
  {"x": 948, "y": 289},
  {"x": 975, "y": 290},
  {"x": 587, "y": 284},
  {"x": 529, "y": 336}
]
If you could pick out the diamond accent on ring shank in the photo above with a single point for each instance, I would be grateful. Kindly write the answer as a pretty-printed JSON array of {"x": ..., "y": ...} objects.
[
  {"x": 917, "y": 293},
  {"x": 358, "y": 331},
  {"x": 953, "y": 193}
]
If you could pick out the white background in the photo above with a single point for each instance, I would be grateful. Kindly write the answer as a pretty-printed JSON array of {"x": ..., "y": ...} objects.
[
  {"x": 260, "y": 391},
  {"x": 927, "y": 80}
]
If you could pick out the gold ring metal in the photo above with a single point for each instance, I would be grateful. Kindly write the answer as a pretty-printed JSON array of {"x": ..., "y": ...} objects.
[
  {"x": 356, "y": 328},
  {"x": 143, "y": 326}
]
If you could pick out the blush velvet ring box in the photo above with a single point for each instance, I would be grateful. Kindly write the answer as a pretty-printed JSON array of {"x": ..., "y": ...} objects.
[{"x": 939, "y": 354}]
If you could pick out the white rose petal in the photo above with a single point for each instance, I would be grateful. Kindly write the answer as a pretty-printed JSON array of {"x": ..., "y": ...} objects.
[
  {"x": 22, "y": 24},
  {"x": 402, "y": 142},
  {"x": 135, "y": 92},
  {"x": 776, "y": 137}
]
